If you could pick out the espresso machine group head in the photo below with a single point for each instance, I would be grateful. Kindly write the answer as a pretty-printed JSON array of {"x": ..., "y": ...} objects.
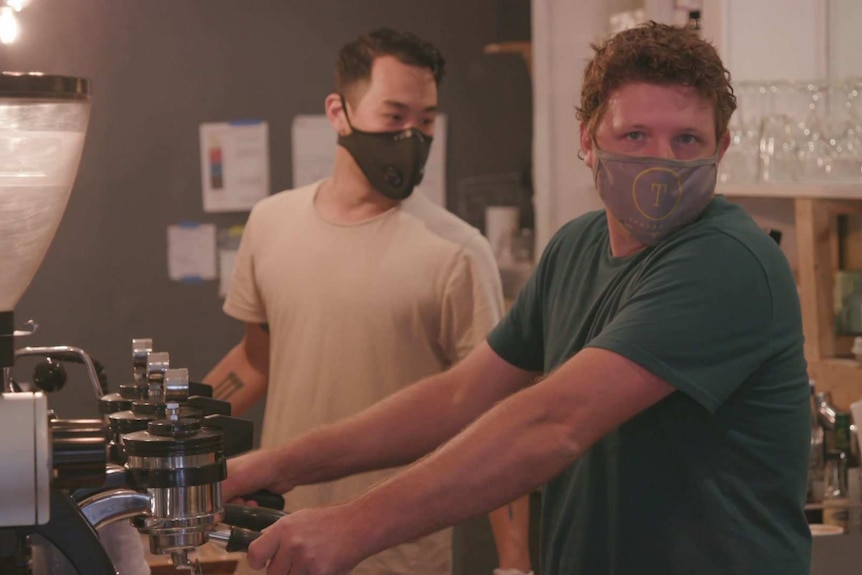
[
  {"x": 168, "y": 452},
  {"x": 173, "y": 450}
]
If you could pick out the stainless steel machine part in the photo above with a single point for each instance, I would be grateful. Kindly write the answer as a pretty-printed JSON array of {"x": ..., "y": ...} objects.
[
  {"x": 158, "y": 364},
  {"x": 106, "y": 507},
  {"x": 220, "y": 538},
  {"x": 176, "y": 385},
  {"x": 60, "y": 350},
  {"x": 141, "y": 348},
  {"x": 180, "y": 559},
  {"x": 180, "y": 465}
]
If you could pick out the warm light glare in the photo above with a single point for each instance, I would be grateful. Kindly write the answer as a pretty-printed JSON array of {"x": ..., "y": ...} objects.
[
  {"x": 8, "y": 25},
  {"x": 16, "y": 5}
]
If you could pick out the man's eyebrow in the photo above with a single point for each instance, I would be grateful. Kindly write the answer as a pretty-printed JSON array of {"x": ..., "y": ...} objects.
[
  {"x": 644, "y": 127},
  {"x": 693, "y": 129},
  {"x": 403, "y": 106}
]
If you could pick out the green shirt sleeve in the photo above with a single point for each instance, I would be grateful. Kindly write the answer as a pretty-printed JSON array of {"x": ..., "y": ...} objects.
[
  {"x": 700, "y": 318},
  {"x": 519, "y": 337}
]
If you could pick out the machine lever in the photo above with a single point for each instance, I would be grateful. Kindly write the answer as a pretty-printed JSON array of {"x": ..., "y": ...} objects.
[{"x": 32, "y": 327}]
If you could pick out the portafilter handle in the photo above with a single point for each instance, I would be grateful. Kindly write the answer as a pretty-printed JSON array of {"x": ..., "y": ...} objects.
[
  {"x": 253, "y": 518},
  {"x": 240, "y": 517},
  {"x": 233, "y": 539},
  {"x": 265, "y": 498}
]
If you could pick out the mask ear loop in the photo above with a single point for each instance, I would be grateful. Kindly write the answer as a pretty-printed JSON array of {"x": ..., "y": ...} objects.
[
  {"x": 581, "y": 150},
  {"x": 346, "y": 115}
]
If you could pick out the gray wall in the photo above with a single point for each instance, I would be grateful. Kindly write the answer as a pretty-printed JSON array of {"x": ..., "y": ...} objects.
[{"x": 161, "y": 67}]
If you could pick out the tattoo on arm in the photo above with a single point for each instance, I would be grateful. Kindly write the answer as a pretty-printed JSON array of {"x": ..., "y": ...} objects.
[{"x": 228, "y": 386}]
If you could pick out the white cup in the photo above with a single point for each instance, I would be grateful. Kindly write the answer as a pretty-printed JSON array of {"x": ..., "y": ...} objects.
[{"x": 501, "y": 224}]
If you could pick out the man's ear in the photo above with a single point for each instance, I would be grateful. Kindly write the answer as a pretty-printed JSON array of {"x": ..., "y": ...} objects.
[
  {"x": 723, "y": 144},
  {"x": 336, "y": 114},
  {"x": 587, "y": 146}
]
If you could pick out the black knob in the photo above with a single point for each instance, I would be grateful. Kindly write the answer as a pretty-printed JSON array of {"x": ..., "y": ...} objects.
[{"x": 49, "y": 375}]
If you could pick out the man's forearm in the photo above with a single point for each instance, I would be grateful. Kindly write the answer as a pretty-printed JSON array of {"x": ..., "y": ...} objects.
[
  {"x": 235, "y": 380},
  {"x": 396, "y": 431},
  {"x": 406, "y": 425},
  {"x": 511, "y": 528},
  {"x": 506, "y": 453},
  {"x": 520, "y": 444}
]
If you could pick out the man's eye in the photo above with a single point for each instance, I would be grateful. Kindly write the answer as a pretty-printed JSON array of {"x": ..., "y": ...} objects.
[
  {"x": 688, "y": 139},
  {"x": 634, "y": 136},
  {"x": 394, "y": 117}
]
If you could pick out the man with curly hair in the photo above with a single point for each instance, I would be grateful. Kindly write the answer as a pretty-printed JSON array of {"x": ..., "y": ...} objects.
[{"x": 650, "y": 376}]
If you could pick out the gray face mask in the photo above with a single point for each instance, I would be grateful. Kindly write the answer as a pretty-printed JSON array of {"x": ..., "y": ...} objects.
[{"x": 654, "y": 197}]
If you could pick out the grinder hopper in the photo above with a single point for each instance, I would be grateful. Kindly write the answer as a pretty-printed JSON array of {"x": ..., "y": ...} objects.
[{"x": 43, "y": 122}]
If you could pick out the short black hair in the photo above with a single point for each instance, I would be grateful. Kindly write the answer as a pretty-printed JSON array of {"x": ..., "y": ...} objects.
[{"x": 356, "y": 57}]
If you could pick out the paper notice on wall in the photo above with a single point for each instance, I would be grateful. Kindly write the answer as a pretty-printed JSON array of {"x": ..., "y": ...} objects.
[
  {"x": 234, "y": 165},
  {"x": 192, "y": 252},
  {"x": 313, "y": 153}
]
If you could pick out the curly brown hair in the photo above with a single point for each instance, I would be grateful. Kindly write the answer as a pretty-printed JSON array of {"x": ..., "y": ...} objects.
[{"x": 656, "y": 54}]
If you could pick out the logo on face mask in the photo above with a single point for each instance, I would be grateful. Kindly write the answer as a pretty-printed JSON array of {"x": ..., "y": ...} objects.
[
  {"x": 657, "y": 193},
  {"x": 393, "y": 162},
  {"x": 654, "y": 197}
]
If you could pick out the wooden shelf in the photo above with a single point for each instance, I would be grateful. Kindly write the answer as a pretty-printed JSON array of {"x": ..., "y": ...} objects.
[
  {"x": 522, "y": 48},
  {"x": 817, "y": 247},
  {"x": 827, "y": 191},
  {"x": 841, "y": 377}
]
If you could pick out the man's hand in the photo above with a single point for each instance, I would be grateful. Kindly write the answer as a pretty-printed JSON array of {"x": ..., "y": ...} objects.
[
  {"x": 252, "y": 471},
  {"x": 321, "y": 541}
]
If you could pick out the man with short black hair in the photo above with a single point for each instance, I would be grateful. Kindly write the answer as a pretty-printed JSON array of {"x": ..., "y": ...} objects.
[{"x": 357, "y": 286}]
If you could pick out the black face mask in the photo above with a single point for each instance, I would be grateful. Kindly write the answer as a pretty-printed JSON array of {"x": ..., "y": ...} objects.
[{"x": 393, "y": 162}]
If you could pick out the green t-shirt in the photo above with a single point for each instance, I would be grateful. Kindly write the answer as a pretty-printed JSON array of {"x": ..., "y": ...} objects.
[{"x": 712, "y": 479}]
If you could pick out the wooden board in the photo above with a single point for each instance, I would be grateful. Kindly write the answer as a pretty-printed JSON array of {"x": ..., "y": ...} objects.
[
  {"x": 207, "y": 567},
  {"x": 817, "y": 261},
  {"x": 841, "y": 377}
]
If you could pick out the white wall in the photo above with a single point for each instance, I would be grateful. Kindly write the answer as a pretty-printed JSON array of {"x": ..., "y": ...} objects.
[
  {"x": 562, "y": 32},
  {"x": 845, "y": 40},
  {"x": 773, "y": 39}
]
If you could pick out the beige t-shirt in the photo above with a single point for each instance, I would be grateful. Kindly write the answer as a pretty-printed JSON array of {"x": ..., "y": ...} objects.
[{"x": 356, "y": 312}]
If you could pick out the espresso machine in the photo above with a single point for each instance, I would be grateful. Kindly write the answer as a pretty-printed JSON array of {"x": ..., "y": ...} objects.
[
  {"x": 157, "y": 457},
  {"x": 43, "y": 122},
  {"x": 167, "y": 443}
]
